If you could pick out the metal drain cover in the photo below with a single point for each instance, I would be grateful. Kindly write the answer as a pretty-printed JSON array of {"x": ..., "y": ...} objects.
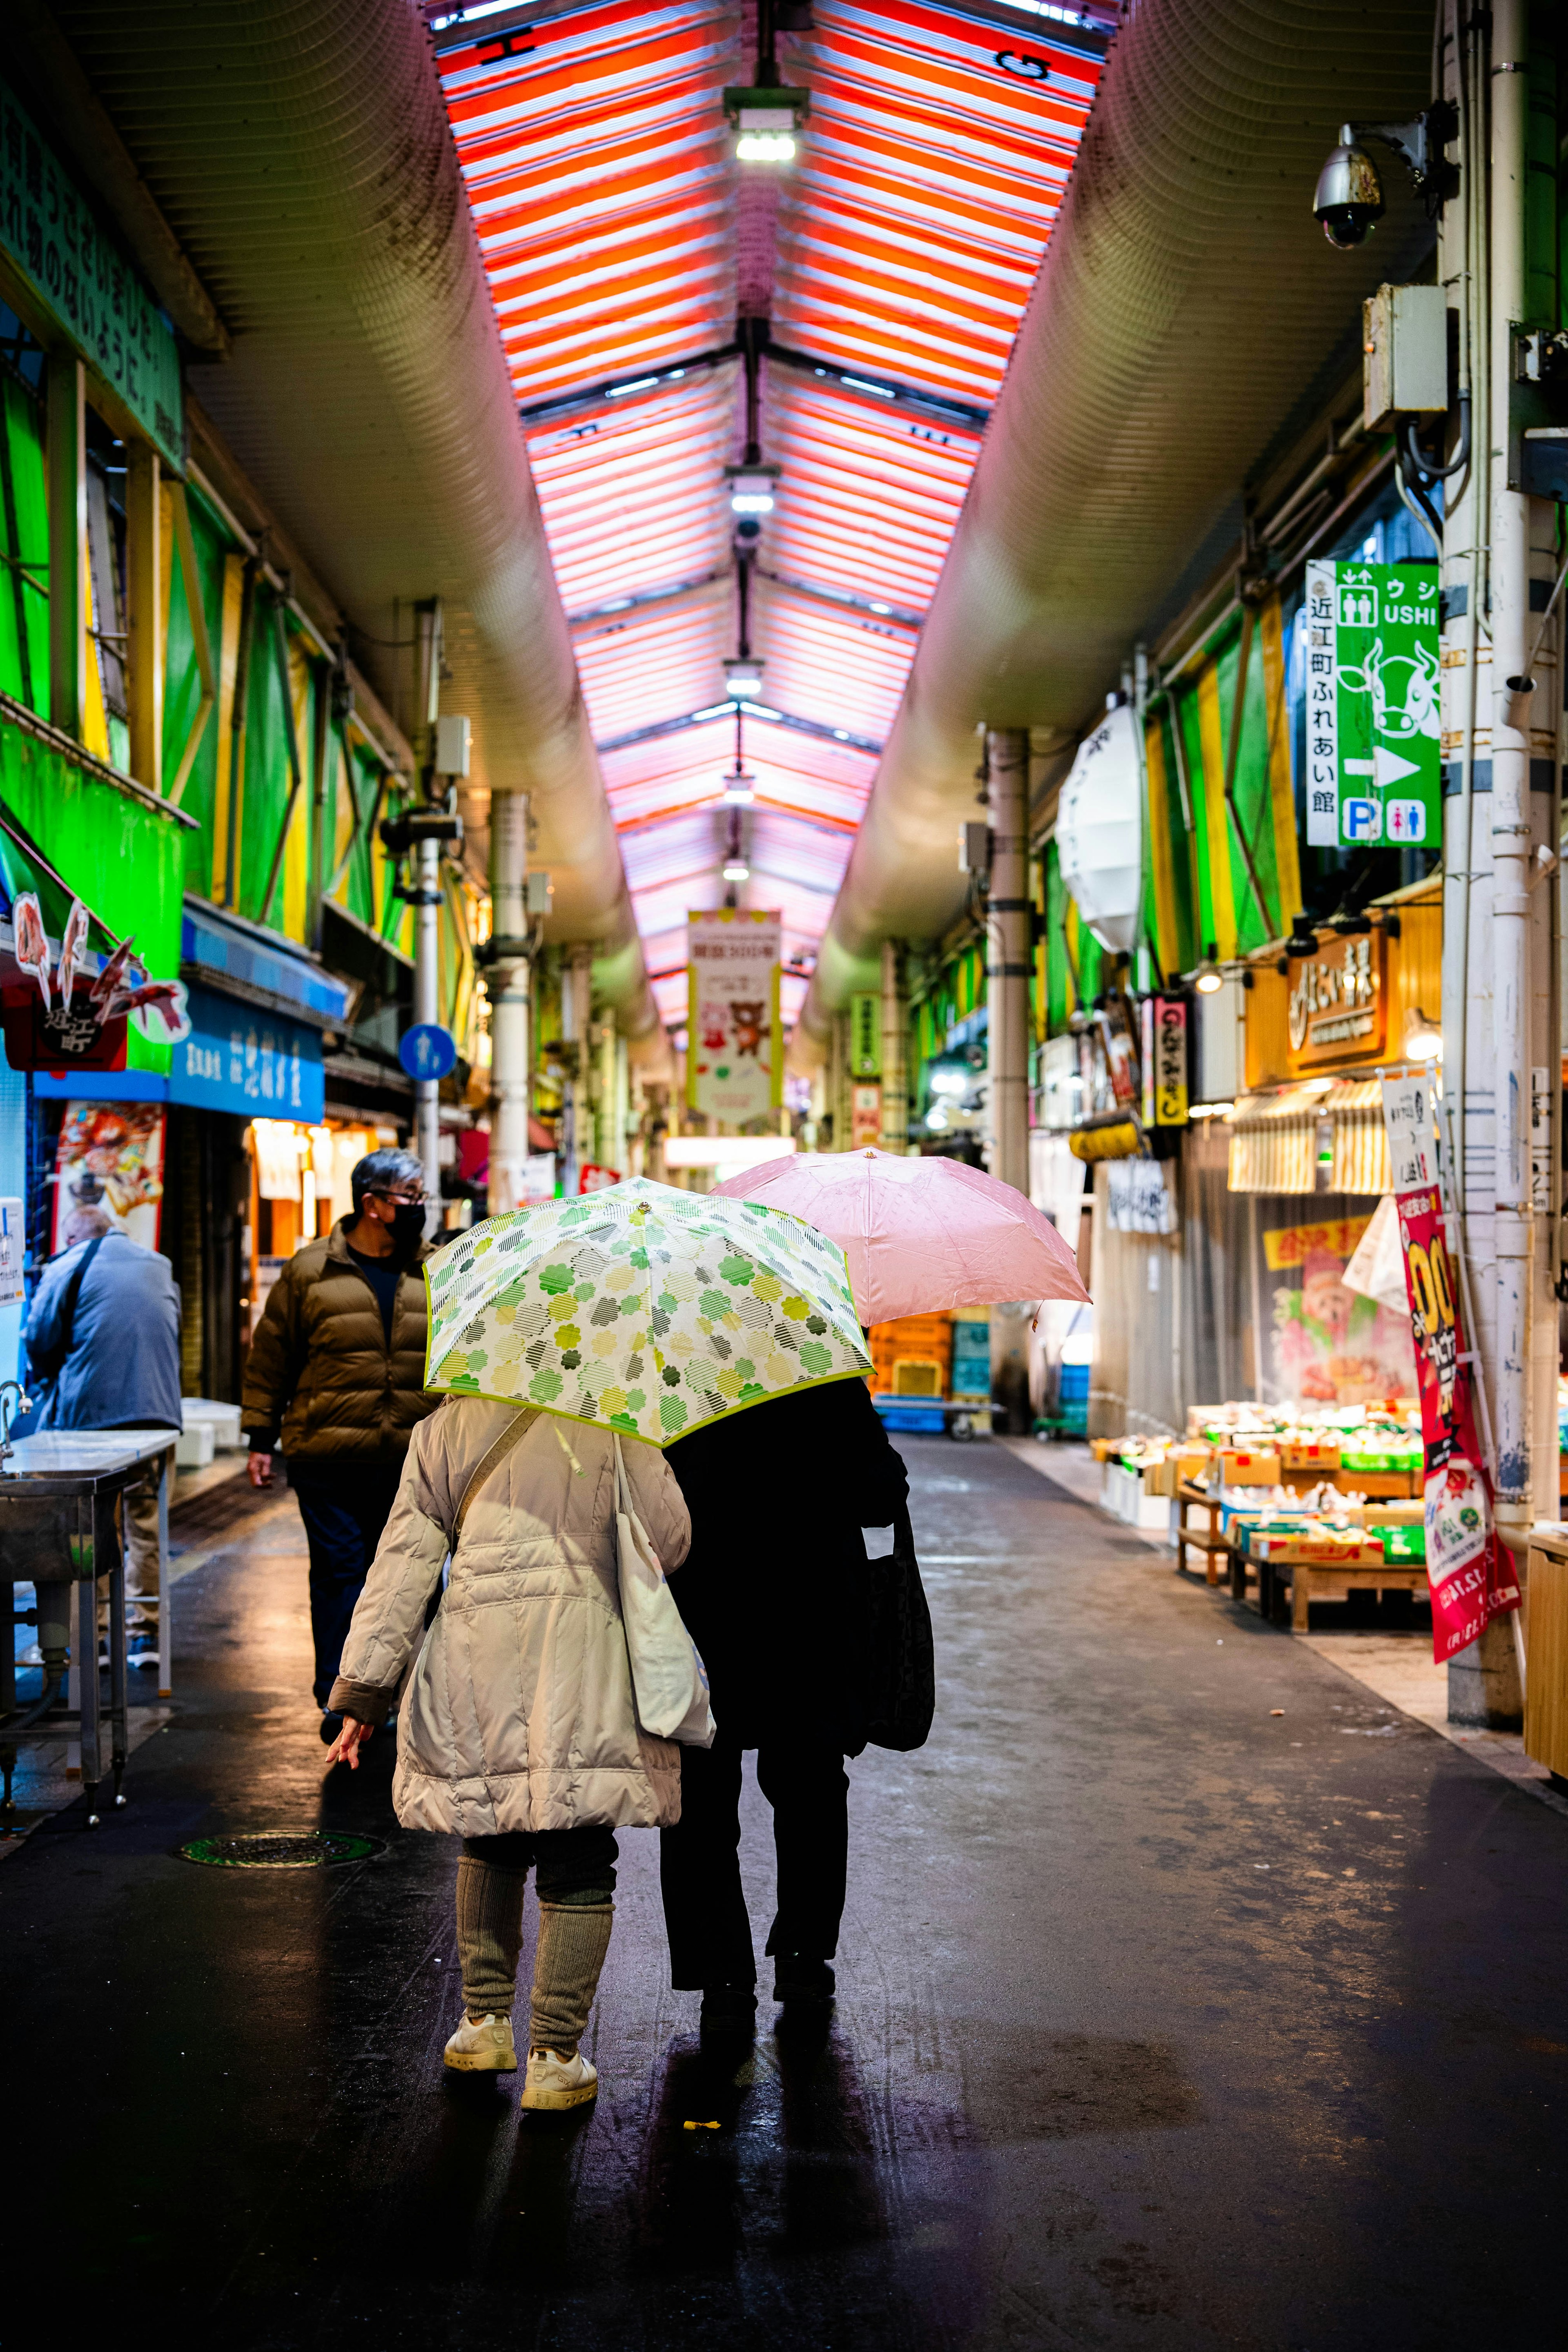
[{"x": 281, "y": 1850}]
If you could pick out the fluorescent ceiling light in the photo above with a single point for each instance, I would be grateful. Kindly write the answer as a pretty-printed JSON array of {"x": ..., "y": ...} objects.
[
  {"x": 743, "y": 676},
  {"x": 745, "y": 502},
  {"x": 858, "y": 384},
  {"x": 760, "y": 709},
  {"x": 714, "y": 710},
  {"x": 740, "y": 788},
  {"x": 725, "y": 1150},
  {"x": 641, "y": 383},
  {"x": 737, "y": 870}
]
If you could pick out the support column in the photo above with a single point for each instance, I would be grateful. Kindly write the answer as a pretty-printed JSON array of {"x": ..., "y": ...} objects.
[
  {"x": 144, "y": 612},
  {"x": 428, "y": 1008},
  {"x": 604, "y": 1140},
  {"x": 506, "y": 983},
  {"x": 1483, "y": 1681},
  {"x": 67, "y": 460},
  {"x": 1008, "y": 920},
  {"x": 895, "y": 1051}
]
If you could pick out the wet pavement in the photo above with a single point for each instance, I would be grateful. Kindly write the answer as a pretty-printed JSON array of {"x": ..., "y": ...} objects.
[{"x": 1165, "y": 2019}]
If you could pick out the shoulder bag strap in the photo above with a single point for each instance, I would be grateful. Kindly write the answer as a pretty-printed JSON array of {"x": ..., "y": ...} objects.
[
  {"x": 68, "y": 1303},
  {"x": 514, "y": 1431}
]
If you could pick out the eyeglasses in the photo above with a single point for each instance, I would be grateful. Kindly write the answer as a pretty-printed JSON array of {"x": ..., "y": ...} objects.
[{"x": 419, "y": 1200}]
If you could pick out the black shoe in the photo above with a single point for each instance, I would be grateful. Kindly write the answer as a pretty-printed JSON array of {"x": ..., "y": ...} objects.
[
  {"x": 330, "y": 1726},
  {"x": 728, "y": 2012},
  {"x": 803, "y": 1983}
]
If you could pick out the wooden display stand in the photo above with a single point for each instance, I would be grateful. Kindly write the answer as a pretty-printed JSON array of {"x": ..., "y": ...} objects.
[
  {"x": 1313, "y": 1581},
  {"x": 1210, "y": 1542},
  {"x": 1546, "y": 1663}
]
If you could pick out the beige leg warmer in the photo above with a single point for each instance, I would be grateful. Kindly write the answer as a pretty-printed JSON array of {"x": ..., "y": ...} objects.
[
  {"x": 573, "y": 1941},
  {"x": 490, "y": 1935}
]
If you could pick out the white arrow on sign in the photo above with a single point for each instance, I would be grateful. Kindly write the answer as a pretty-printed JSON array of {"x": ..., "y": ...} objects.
[{"x": 1388, "y": 767}]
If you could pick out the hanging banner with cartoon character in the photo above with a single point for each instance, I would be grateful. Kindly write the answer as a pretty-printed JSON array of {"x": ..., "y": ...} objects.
[
  {"x": 735, "y": 1053},
  {"x": 1471, "y": 1574},
  {"x": 1373, "y": 732}
]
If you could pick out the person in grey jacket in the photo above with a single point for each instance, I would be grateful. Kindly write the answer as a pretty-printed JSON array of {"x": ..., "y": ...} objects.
[{"x": 110, "y": 1359}]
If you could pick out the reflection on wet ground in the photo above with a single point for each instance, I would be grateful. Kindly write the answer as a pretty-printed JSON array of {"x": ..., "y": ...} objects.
[{"x": 1164, "y": 2021}]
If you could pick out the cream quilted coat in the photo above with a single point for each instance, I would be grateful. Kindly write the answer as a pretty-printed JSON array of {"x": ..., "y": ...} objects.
[{"x": 518, "y": 1713}]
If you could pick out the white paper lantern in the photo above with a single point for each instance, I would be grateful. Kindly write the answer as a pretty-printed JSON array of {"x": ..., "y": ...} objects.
[{"x": 1100, "y": 831}]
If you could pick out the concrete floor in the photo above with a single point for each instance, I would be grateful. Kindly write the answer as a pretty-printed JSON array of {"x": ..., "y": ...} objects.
[{"x": 1167, "y": 2019}]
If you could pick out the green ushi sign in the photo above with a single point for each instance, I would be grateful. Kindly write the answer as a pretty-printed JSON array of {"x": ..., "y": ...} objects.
[
  {"x": 83, "y": 283},
  {"x": 1374, "y": 727}
]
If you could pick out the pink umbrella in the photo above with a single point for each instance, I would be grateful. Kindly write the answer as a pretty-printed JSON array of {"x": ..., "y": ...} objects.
[{"x": 919, "y": 1234}]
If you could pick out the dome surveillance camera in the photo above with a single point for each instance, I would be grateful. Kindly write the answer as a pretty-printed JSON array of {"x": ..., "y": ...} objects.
[{"x": 1349, "y": 199}]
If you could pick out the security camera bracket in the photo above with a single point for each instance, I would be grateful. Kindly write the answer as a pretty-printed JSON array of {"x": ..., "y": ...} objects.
[{"x": 1420, "y": 142}]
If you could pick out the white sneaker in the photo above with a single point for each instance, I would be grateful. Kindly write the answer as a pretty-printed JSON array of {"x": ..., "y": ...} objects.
[
  {"x": 554, "y": 2082},
  {"x": 484, "y": 2049}
]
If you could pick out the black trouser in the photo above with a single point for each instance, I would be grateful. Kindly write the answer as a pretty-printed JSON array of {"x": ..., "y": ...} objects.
[
  {"x": 344, "y": 1505},
  {"x": 569, "y": 1866},
  {"x": 700, "y": 1865}
]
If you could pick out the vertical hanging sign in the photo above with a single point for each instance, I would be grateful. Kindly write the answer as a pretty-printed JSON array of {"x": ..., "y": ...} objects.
[
  {"x": 1374, "y": 731},
  {"x": 1164, "y": 1057},
  {"x": 735, "y": 1053},
  {"x": 1469, "y": 1572},
  {"x": 865, "y": 1035}
]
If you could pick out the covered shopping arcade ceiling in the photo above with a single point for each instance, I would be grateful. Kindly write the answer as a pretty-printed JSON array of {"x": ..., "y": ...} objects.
[{"x": 846, "y": 316}]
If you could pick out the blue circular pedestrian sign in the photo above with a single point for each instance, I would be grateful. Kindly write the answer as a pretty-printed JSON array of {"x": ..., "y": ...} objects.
[{"x": 428, "y": 1051}]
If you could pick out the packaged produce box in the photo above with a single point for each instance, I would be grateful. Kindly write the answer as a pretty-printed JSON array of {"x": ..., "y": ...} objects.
[
  {"x": 1319, "y": 1549},
  {"x": 1244, "y": 1467},
  {"x": 1316, "y": 1453}
]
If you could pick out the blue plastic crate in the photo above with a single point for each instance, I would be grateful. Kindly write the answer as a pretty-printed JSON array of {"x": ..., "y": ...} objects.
[{"x": 912, "y": 1414}]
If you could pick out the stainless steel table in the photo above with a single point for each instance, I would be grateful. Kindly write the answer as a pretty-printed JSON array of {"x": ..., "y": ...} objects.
[{"x": 57, "y": 1530}]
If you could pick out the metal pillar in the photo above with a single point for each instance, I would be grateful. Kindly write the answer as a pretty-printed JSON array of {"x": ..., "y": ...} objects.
[
  {"x": 428, "y": 1008},
  {"x": 1009, "y": 922},
  {"x": 604, "y": 1140},
  {"x": 506, "y": 983},
  {"x": 67, "y": 541},
  {"x": 895, "y": 1134}
]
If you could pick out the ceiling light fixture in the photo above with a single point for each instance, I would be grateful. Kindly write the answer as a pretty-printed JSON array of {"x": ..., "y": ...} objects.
[
  {"x": 737, "y": 870},
  {"x": 1208, "y": 978},
  {"x": 743, "y": 678},
  {"x": 752, "y": 488},
  {"x": 740, "y": 788},
  {"x": 767, "y": 119}
]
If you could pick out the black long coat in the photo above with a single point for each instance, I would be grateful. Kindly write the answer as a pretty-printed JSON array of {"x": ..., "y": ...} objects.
[{"x": 774, "y": 1588}]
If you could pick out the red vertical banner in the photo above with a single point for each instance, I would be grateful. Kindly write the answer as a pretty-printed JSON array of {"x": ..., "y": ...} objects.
[{"x": 1469, "y": 1572}]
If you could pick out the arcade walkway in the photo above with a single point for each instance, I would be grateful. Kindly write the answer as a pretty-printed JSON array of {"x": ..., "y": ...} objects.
[{"x": 1167, "y": 2021}]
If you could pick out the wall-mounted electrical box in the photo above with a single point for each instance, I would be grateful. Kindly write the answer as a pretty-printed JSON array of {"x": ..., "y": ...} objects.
[
  {"x": 975, "y": 848},
  {"x": 538, "y": 890},
  {"x": 454, "y": 736},
  {"x": 1405, "y": 353}
]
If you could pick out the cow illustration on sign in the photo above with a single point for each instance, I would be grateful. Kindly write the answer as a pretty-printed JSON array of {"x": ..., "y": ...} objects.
[{"x": 1397, "y": 710}]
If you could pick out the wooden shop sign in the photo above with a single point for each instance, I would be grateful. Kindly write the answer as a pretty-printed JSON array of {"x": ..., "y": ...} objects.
[{"x": 1338, "y": 1005}]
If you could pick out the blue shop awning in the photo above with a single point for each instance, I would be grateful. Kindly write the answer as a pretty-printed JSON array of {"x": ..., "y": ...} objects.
[
  {"x": 242, "y": 1058},
  {"x": 241, "y": 959}
]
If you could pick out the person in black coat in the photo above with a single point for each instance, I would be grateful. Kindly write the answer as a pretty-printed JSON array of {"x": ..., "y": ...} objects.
[{"x": 775, "y": 1593}]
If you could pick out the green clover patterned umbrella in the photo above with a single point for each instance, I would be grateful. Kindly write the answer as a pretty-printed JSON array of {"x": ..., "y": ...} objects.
[{"x": 647, "y": 1311}]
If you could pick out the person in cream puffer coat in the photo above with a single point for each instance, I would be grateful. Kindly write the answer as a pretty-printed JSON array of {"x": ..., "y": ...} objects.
[{"x": 516, "y": 1727}]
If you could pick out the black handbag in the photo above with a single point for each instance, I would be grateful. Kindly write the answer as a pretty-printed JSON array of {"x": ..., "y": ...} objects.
[{"x": 903, "y": 1656}]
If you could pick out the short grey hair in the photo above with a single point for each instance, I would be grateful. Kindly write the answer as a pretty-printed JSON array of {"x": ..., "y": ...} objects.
[
  {"x": 379, "y": 1170},
  {"x": 85, "y": 1225}
]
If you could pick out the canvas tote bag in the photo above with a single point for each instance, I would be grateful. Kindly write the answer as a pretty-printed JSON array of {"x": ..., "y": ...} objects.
[{"x": 669, "y": 1682}]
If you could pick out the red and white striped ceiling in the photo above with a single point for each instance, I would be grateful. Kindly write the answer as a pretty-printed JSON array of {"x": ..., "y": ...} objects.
[{"x": 884, "y": 273}]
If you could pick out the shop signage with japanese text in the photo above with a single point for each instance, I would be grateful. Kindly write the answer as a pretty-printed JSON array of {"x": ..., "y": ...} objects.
[
  {"x": 865, "y": 1035},
  {"x": 1471, "y": 1574},
  {"x": 734, "y": 1055},
  {"x": 1338, "y": 1003},
  {"x": 1374, "y": 729},
  {"x": 1164, "y": 1040},
  {"x": 83, "y": 283}
]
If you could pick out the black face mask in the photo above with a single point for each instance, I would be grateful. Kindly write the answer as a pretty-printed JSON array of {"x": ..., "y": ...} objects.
[{"x": 408, "y": 1228}]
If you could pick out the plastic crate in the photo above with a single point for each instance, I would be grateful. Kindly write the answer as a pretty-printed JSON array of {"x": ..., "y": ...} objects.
[{"x": 909, "y": 1415}]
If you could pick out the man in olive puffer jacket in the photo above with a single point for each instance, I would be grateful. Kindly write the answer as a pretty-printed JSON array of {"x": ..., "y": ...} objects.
[{"x": 336, "y": 1375}]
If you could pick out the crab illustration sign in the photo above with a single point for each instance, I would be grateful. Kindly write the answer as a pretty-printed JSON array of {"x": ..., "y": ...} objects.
[{"x": 1374, "y": 731}]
